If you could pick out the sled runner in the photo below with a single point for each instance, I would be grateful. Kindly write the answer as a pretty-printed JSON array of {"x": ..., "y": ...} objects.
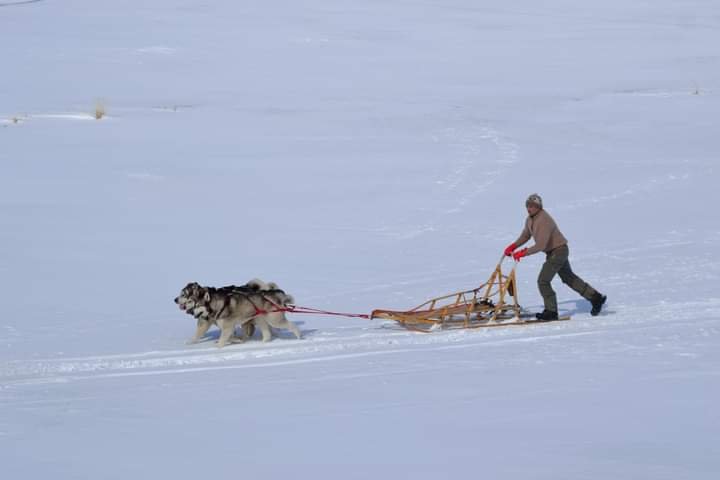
[{"x": 492, "y": 304}]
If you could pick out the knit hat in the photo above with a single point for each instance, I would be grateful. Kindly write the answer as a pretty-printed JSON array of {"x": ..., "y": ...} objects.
[{"x": 534, "y": 198}]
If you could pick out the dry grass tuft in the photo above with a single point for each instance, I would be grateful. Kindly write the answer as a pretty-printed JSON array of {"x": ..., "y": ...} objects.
[{"x": 99, "y": 110}]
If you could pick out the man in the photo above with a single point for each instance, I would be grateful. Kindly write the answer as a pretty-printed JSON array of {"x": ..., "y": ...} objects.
[{"x": 548, "y": 238}]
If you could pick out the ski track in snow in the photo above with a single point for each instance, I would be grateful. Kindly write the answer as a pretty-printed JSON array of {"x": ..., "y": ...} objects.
[
  {"x": 658, "y": 321},
  {"x": 157, "y": 50},
  {"x": 657, "y": 92},
  {"x": 145, "y": 176},
  {"x": 21, "y": 2},
  {"x": 470, "y": 176},
  {"x": 638, "y": 189}
]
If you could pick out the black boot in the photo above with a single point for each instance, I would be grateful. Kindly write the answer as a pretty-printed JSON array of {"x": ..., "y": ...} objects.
[
  {"x": 547, "y": 315},
  {"x": 597, "y": 301}
]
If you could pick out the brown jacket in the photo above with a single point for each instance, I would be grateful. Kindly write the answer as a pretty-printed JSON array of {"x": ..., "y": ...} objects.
[{"x": 544, "y": 230}]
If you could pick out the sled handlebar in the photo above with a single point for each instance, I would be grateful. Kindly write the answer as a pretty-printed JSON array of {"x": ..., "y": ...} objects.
[{"x": 502, "y": 259}]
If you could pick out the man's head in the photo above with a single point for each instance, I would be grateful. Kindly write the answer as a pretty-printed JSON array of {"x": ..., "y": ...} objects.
[{"x": 533, "y": 204}]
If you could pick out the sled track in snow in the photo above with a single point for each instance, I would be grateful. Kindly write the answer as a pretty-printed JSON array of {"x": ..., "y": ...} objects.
[
  {"x": 251, "y": 355},
  {"x": 342, "y": 343}
]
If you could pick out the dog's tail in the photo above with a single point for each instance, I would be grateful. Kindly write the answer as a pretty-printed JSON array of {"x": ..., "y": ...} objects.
[{"x": 256, "y": 284}]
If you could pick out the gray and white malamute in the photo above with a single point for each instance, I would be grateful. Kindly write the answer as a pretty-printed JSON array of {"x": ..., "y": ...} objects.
[{"x": 255, "y": 304}]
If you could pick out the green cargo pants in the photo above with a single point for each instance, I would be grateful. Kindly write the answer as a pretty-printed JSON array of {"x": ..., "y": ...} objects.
[{"x": 557, "y": 263}]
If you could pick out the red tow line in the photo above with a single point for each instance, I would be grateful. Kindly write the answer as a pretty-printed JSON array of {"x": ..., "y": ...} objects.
[{"x": 296, "y": 309}]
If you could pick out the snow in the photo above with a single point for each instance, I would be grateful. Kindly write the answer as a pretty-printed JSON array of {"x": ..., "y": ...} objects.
[{"x": 362, "y": 155}]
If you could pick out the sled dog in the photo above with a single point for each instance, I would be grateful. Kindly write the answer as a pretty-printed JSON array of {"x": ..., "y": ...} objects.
[{"x": 255, "y": 304}]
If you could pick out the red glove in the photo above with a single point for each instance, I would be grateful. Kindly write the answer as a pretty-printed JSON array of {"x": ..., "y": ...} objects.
[
  {"x": 510, "y": 249},
  {"x": 519, "y": 254}
]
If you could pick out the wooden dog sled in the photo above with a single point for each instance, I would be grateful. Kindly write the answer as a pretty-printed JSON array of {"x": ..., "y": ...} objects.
[{"x": 492, "y": 304}]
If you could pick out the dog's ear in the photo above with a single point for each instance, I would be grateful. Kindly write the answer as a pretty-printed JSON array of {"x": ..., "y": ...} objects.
[{"x": 206, "y": 297}]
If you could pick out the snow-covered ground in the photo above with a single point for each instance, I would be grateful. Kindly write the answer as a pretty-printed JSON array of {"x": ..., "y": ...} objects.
[{"x": 363, "y": 155}]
